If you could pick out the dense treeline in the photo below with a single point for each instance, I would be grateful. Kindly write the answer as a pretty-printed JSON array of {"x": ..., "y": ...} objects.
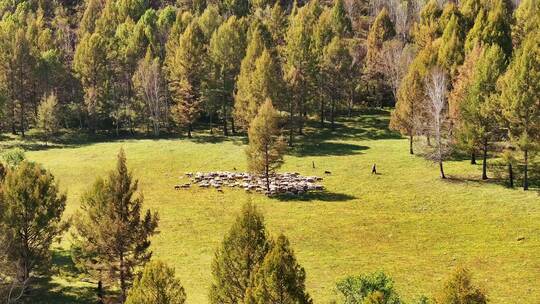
[{"x": 464, "y": 76}]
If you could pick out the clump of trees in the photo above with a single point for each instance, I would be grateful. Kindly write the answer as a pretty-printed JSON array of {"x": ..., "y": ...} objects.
[
  {"x": 478, "y": 47},
  {"x": 250, "y": 267}
]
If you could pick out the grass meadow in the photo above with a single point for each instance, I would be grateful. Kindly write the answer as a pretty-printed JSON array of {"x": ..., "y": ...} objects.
[{"x": 405, "y": 220}]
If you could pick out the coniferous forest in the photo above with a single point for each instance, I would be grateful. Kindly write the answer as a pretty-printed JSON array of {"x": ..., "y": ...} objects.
[{"x": 430, "y": 108}]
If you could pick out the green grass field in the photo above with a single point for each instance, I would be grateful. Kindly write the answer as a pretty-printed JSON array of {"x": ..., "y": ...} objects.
[{"x": 405, "y": 221}]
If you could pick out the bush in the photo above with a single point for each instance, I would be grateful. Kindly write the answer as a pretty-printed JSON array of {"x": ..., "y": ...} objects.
[{"x": 373, "y": 288}]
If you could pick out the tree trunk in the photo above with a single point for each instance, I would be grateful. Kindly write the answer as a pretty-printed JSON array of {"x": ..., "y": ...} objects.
[
  {"x": 510, "y": 175},
  {"x": 411, "y": 144},
  {"x": 225, "y": 117},
  {"x": 484, "y": 159},
  {"x": 189, "y": 131},
  {"x": 291, "y": 125},
  {"x": 332, "y": 115},
  {"x": 322, "y": 113},
  {"x": 441, "y": 169},
  {"x": 428, "y": 140},
  {"x": 525, "y": 170},
  {"x": 123, "y": 286},
  {"x": 233, "y": 129},
  {"x": 473, "y": 157}
]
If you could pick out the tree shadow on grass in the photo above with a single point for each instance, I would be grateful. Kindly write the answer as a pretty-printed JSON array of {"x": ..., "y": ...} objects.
[
  {"x": 324, "y": 196},
  {"x": 46, "y": 290},
  {"x": 327, "y": 148}
]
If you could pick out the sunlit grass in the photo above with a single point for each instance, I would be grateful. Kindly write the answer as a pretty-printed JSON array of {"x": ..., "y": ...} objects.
[{"x": 405, "y": 221}]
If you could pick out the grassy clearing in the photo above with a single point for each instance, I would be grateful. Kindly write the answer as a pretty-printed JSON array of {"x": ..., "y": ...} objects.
[{"x": 405, "y": 221}]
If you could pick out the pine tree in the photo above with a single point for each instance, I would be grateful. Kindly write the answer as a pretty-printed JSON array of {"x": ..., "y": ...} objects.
[
  {"x": 520, "y": 95},
  {"x": 266, "y": 147},
  {"x": 31, "y": 208},
  {"x": 111, "y": 233},
  {"x": 470, "y": 9},
  {"x": 89, "y": 18},
  {"x": 460, "y": 290},
  {"x": 227, "y": 49},
  {"x": 427, "y": 29},
  {"x": 209, "y": 21},
  {"x": 49, "y": 116},
  {"x": 242, "y": 252},
  {"x": 156, "y": 285},
  {"x": 478, "y": 111},
  {"x": 186, "y": 74},
  {"x": 280, "y": 279}
]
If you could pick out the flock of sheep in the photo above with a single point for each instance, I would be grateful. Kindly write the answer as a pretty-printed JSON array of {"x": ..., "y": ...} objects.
[{"x": 280, "y": 183}]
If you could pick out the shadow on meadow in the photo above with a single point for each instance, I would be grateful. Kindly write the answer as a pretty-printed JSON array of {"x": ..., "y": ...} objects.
[
  {"x": 48, "y": 291},
  {"x": 324, "y": 196}
]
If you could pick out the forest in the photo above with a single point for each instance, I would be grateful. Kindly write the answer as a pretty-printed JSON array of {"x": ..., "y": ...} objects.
[{"x": 413, "y": 86}]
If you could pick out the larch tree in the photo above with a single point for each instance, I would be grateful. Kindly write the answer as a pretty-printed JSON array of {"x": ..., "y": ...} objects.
[
  {"x": 300, "y": 64},
  {"x": 478, "y": 110},
  {"x": 406, "y": 116},
  {"x": 227, "y": 49},
  {"x": 266, "y": 146},
  {"x": 149, "y": 85},
  {"x": 337, "y": 65},
  {"x": 186, "y": 74},
  {"x": 341, "y": 23},
  {"x": 31, "y": 208},
  {"x": 527, "y": 19},
  {"x": 48, "y": 118},
  {"x": 265, "y": 82},
  {"x": 436, "y": 90},
  {"x": 381, "y": 30},
  {"x": 241, "y": 253},
  {"x": 90, "y": 64},
  {"x": 520, "y": 99},
  {"x": 243, "y": 110},
  {"x": 456, "y": 99},
  {"x": 451, "y": 54},
  {"x": 157, "y": 284},
  {"x": 279, "y": 279},
  {"x": 112, "y": 232}
]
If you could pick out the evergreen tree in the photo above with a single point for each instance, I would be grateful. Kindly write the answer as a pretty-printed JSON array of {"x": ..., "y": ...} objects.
[
  {"x": 227, "y": 49},
  {"x": 460, "y": 290},
  {"x": 31, "y": 208},
  {"x": 470, "y": 9},
  {"x": 241, "y": 253},
  {"x": 156, "y": 285},
  {"x": 376, "y": 288},
  {"x": 49, "y": 116},
  {"x": 427, "y": 28},
  {"x": 520, "y": 95},
  {"x": 266, "y": 147},
  {"x": 209, "y": 21},
  {"x": 280, "y": 279},
  {"x": 478, "y": 111},
  {"x": 239, "y": 8},
  {"x": 186, "y": 74},
  {"x": 111, "y": 232},
  {"x": 91, "y": 14}
]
